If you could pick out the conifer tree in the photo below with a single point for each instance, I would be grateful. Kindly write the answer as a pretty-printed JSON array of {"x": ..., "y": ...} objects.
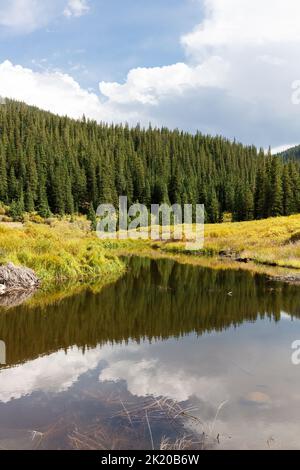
[
  {"x": 276, "y": 202},
  {"x": 92, "y": 217},
  {"x": 3, "y": 179},
  {"x": 260, "y": 194},
  {"x": 213, "y": 209},
  {"x": 289, "y": 206},
  {"x": 17, "y": 208}
]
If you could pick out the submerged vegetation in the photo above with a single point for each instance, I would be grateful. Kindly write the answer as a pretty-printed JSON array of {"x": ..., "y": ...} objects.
[{"x": 119, "y": 421}]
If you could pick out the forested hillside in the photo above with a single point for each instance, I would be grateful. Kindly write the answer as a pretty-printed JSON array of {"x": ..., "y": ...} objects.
[
  {"x": 292, "y": 153},
  {"x": 53, "y": 164}
]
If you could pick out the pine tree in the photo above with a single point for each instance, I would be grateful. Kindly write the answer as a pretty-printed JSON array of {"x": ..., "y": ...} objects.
[
  {"x": 175, "y": 188},
  {"x": 288, "y": 197},
  {"x": 3, "y": 179},
  {"x": 29, "y": 200},
  {"x": 212, "y": 208},
  {"x": 276, "y": 194},
  {"x": 248, "y": 204},
  {"x": 43, "y": 205},
  {"x": 92, "y": 217},
  {"x": 244, "y": 203},
  {"x": 260, "y": 194},
  {"x": 17, "y": 208}
]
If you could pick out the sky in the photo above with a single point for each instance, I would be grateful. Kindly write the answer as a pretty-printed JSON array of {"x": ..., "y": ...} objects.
[{"x": 221, "y": 67}]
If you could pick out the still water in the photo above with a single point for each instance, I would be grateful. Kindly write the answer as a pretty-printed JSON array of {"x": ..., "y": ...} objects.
[{"x": 169, "y": 355}]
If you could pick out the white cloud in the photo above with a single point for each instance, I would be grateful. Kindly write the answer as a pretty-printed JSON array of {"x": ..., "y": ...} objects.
[
  {"x": 236, "y": 81},
  {"x": 150, "y": 85},
  {"x": 236, "y": 78},
  {"x": 54, "y": 373},
  {"x": 76, "y": 8},
  {"x": 239, "y": 23},
  {"x": 25, "y": 16},
  {"x": 53, "y": 91}
]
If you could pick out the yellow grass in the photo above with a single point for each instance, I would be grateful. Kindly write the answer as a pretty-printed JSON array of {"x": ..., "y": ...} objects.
[
  {"x": 69, "y": 251},
  {"x": 64, "y": 251},
  {"x": 273, "y": 241}
]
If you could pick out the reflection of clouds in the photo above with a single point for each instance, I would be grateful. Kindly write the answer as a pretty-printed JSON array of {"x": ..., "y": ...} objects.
[
  {"x": 151, "y": 377},
  {"x": 249, "y": 366},
  {"x": 285, "y": 316},
  {"x": 147, "y": 369},
  {"x": 54, "y": 373}
]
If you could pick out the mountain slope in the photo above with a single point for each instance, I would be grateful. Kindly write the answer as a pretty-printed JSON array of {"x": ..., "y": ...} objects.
[
  {"x": 292, "y": 153},
  {"x": 55, "y": 164}
]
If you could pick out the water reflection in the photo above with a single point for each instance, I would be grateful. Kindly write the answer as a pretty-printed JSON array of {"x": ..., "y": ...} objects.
[
  {"x": 196, "y": 336},
  {"x": 155, "y": 300}
]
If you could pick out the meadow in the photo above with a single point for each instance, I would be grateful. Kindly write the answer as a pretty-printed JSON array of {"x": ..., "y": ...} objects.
[
  {"x": 62, "y": 251},
  {"x": 271, "y": 242},
  {"x": 66, "y": 250}
]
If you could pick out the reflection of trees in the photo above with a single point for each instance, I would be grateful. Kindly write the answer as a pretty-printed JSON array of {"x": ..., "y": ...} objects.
[{"x": 157, "y": 299}]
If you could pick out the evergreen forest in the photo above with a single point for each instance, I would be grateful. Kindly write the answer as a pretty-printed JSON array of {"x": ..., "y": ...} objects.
[{"x": 57, "y": 165}]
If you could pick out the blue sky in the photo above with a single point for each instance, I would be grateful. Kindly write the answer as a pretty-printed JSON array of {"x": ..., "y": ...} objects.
[
  {"x": 222, "y": 67},
  {"x": 110, "y": 39}
]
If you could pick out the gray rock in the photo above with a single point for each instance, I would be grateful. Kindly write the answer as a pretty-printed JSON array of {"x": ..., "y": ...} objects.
[{"x": 15, "y": 278}]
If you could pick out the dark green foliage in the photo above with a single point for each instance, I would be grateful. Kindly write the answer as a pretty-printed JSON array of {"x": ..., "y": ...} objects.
[
  {"x": 52, "y": 164},
  {"x": 260, "y": 209},
  {"x": 276, "y": 192},
  {"x": 92, "y": 217},
  {"x": 17, "y": 208},
  {"x": 244, "y": 203},
  {"x": 289, "y": 204},
  {"x": 212, "y": 207}
]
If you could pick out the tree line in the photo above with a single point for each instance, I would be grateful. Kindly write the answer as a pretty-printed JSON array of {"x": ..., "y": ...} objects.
[{"x": 51, "y": 164}]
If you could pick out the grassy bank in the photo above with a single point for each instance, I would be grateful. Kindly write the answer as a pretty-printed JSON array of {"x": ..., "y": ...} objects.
[
  {"x": 60, "y": 252},
  {"x": 270, "y": 242},
  {"x": 270, "y": 247},
  {"x": 67, "y": 251}
]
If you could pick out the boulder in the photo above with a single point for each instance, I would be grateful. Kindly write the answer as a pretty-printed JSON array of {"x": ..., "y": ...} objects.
[{"x": 15, "y": 278}]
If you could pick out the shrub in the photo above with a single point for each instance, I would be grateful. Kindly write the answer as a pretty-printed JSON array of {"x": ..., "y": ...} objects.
[{"x": 36, "y": 219}]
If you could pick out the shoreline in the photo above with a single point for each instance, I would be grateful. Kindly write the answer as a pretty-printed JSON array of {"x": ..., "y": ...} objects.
[{"x": 68, "y": 253}]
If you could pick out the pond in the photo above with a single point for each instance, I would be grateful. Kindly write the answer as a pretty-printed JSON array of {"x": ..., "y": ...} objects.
[{"x": 169, "y": 356}]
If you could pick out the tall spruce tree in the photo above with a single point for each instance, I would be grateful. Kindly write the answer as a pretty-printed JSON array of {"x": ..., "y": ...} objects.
[{"x": 276, "y": 191}]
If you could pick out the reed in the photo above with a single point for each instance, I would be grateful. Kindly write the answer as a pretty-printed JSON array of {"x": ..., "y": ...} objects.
[{"x": 64, "y": 251}]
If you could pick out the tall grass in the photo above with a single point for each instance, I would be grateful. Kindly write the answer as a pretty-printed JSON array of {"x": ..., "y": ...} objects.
[
  {"x": 274, "y": 241},
  {"x": 69, "y": 251},
  {"x": 62, "y": 252}
]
